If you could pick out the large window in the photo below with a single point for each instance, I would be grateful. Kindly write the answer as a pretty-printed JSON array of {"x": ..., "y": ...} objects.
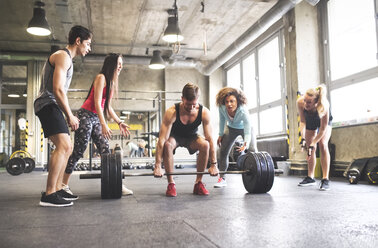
[
  {"x": 260, "y": 76},
  {"x": 352, "y": 60}
]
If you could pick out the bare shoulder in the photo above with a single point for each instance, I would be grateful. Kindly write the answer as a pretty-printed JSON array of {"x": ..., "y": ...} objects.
[
  {"x": 300, "y": 101},
  {"x": 60, "y": 59},
  {"x": 205, "y": 114},
  {"x": 170, "y": 114}
]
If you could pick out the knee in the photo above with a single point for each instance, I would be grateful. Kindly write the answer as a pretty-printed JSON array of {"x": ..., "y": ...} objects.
[
  {"x": 323, "y": 148},
  {"x": 168, "y": 147},
  {"x": 204, "y": 146},
  {"x": 66, "y": 148}
]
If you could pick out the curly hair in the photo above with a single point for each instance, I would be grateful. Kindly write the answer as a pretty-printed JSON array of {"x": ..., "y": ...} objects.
[{"x": 228, "y": 91}]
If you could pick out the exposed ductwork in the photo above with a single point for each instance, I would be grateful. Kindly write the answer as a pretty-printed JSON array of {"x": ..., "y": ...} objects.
[
  {"x": 267, "y": 20},
  {"x": 257, "y": 29}
]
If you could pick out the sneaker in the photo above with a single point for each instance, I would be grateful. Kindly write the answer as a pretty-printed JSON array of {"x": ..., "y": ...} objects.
[
  {"x": 199, "y": 189},
  {"x": 324, "y": 185},
  {"x": 307, "y": 181},
  {"x": 126, "y": 191},
  {"x": 171, "y": 190},
  {"x": 54, "y": 200},
  {"x": 221, "y": 183},
  {"x": 67, "y": 196},
  {"x": 66, "y": 188}
]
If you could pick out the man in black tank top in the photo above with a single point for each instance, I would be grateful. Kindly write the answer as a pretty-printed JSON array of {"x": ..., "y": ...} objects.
[
  {"x": 179, "y": 128},
  {"x": 49, "y": 105}
]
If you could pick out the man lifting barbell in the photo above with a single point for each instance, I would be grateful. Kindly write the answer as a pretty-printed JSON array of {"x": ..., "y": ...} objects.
[{"x": 179, "y": 128}]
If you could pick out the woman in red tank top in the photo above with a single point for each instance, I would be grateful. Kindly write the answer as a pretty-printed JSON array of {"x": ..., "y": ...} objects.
[{"x": 93, "y": 113}]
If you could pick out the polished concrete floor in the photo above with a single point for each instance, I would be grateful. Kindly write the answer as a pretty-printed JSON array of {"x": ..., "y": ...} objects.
[{"x": 287, "y": 216}]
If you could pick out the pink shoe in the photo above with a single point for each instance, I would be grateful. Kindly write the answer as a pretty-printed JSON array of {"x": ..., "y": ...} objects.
[
  {"x": 171, "y": 190},
  {"x": 199, "y": 189}
]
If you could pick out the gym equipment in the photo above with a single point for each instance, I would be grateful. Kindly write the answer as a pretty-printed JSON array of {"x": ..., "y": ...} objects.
[
  {"x": 257, "y": 173},
  {"x": 29, "y": 165},
  {"x": 356, "y": 169},
  {"x": 15, "y": 166},
  {"x": 19, "y": 162}
]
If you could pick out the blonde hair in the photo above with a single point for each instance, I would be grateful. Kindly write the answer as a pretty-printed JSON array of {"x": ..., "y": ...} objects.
[
  {"x": 320, "y": 94},
  {"x": 228, "y": 91}
]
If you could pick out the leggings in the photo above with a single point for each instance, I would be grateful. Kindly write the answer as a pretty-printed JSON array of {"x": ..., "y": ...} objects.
[
  {"x": 228, "y": 141},
  {"x": 89, "y": 127}
]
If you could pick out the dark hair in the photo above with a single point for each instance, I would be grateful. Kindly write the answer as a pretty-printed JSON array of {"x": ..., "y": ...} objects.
[
  {"x": 108, "y": 69},
  {"x": 228, "y": 91},
  {"x": 78, "y": 31},
  {"x": 190, "y": 92}
]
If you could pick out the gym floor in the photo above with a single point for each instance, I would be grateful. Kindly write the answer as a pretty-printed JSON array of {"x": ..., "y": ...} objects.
[{"x": 287, "y": 216}]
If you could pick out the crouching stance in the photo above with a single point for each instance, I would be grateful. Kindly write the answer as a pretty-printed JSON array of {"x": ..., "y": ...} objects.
[{"x": 179, "y": 128}]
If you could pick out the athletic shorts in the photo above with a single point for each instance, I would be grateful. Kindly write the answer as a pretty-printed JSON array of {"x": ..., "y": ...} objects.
[
  {"x": 185, "y": 142},
  {"x": 52, "y": 120}
]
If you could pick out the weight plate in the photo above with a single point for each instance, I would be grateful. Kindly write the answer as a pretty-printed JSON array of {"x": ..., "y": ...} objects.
[
  {"x": 29, "y": 165},
  {"x": 262, "y": 183},
  {"x": 270, "y": 165},
  {"x": 15, "y": 166},
  {"x": 105, "y": 182},
  {"x": 115, "y": 176},
  {"x": 251, "y": 179}
]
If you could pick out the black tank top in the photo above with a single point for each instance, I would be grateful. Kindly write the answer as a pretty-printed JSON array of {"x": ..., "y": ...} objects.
[
  {"x": 313, "y": 120},
  {"x": 181, "y": 130}
]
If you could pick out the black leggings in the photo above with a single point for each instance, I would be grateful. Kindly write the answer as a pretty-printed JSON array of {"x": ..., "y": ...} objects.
[{"x": 89, "y": 127}]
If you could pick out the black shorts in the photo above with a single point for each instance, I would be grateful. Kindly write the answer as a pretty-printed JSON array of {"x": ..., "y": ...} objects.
[
  {"x": 185, "y": 142},
  {"x": 52, "y": 120}
]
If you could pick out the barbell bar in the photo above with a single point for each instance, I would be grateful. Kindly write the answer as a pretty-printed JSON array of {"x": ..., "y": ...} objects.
[{"x": 257, "y": 173}]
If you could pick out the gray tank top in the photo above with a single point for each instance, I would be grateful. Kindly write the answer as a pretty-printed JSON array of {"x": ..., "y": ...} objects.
[{"x": 46, "y": 95}]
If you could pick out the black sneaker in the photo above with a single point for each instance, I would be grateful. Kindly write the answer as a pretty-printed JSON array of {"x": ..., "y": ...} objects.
[
  {"x": 324, "y": 185},
  {"x": 307, "y": 181},
  {"x": 54, "y": 200},
  {"x": 67, "y": 196}
]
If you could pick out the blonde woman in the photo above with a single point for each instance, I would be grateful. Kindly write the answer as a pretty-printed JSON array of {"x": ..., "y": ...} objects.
[
  {"x": 233, "y": 122},
  {"x": 315, "y": 128}
]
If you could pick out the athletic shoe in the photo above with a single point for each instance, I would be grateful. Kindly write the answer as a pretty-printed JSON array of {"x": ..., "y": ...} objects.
[
  {"x": 307, "y": 181},
  {"x": 171, "y": 190},
  {"x": 324, "y": 185},
  {"x": 221, "y": 183},
  {"x": 67, "y": 196},
  {"x": 126, "y": 191},
  {"x": 66, "y": 188},
  {"x": 199, "y": 189},
  {"x": 54, "y": 200}
]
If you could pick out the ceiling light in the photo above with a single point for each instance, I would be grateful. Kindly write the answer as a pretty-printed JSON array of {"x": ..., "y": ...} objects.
[
  {"x": 172, "y": 33},
  {"x": 124, "y": 112},
  {"x": 157, "y": 61},
  {"x": 13, "y": 95},
  {"x": 38, "y": 24}
]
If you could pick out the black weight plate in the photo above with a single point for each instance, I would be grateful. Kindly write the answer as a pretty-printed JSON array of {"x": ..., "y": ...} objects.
[
  {"x": 15, "y": 166},
  {"x": 251, "y": 179},
  {"x": 240, "y": 161},
  {"x": 29, "y": 165},
  {"x": 262, "y": 183},
  {"x": 105, "y": 182},
  {"x": 115, "y": 176},
  {"x": 270, "y": 165}
]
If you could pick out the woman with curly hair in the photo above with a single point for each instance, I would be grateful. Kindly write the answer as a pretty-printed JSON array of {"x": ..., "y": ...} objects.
[{"x": 231, "y": 103}]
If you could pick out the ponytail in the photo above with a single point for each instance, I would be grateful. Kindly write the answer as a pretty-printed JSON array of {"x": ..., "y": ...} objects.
[{"x": 320, "y": 94}]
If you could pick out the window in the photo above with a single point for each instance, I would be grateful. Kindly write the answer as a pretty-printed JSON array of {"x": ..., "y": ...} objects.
[
  {"x": 352, "y": 62},
  {"x": 233, "y": 76},
  {"x": 262, "y": 81}
]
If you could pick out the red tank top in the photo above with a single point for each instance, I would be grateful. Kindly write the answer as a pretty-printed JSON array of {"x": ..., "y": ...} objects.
[{"x": 89, "y": 103}]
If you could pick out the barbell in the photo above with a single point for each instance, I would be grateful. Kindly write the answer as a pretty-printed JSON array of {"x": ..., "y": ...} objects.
[{"x": 257, "y": 170}]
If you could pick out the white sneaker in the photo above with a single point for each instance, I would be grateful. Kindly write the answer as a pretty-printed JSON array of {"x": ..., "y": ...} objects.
[
  {"x": 66, "y": 188},
  {"x": 221, "y": 183},
  {"x": 126, "y": 191}
]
